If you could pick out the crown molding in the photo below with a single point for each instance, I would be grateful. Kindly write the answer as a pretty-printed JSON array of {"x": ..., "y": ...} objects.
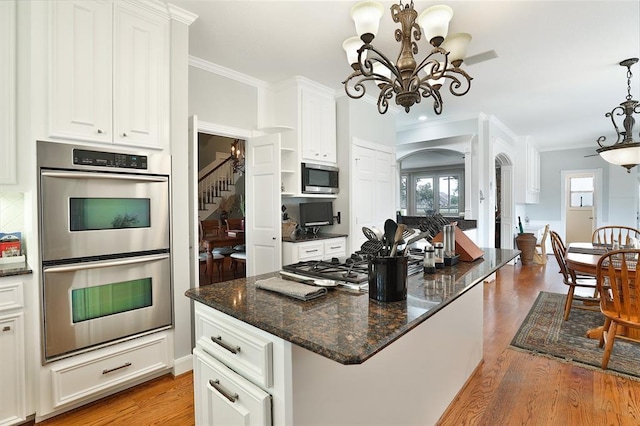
[{"x": 226, "y": 72}]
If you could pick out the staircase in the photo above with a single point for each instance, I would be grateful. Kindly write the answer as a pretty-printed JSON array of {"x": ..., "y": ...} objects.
[{"x": 215, "y": 182}]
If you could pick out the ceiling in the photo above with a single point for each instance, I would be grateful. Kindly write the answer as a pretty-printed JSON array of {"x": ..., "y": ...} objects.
[{"x": 555, "y": 77}]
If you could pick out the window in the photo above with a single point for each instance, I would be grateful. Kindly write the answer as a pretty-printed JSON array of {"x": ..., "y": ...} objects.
[
  {"x": 581, "y": 190},
  {"x": 427, "y": 192}
]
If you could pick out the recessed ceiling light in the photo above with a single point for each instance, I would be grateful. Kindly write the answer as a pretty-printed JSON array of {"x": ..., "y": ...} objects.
[{"x": 422, "y": 118}]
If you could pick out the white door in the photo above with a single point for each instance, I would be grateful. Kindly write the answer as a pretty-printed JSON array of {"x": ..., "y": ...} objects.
[
  {"x": 263, "y": 223},
  {"x": 363, "y": 194},
  {"x": 580, "y": 207},
  {"x": 507, "y": 224}
]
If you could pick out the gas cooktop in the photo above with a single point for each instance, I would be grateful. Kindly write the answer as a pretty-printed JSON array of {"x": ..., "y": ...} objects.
[{"x": 352, "y": 270}]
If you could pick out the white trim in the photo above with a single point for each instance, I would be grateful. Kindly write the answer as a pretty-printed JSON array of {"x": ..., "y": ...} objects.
[
  {"x": 182, "y": 365},
  {"x": 221, "y": 130},
  {"x": 181, "y": 15},
  {"x": 226, "y": 72},
  {"x": 373, "y": 145}
]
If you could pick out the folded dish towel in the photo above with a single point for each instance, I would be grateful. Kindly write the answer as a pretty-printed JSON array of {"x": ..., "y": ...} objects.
[{"x": 291, "y": 288}]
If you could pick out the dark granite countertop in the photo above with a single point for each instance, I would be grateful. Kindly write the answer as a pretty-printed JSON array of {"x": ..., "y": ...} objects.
[
  {"x": 310, "y": 237},
  {"x": 10, "y": 269},
  {"x": 345, "y": 326}
]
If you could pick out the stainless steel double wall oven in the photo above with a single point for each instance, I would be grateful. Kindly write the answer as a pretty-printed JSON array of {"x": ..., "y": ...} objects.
[{"x": 104, "y": 241}]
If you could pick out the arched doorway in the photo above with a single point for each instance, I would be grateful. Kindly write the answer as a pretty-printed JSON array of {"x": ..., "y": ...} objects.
[{"x": 504, "y": 205}]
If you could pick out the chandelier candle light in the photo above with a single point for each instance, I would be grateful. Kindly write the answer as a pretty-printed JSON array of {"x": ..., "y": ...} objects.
[
  {"x": 625, "y": 151},
  {"x": 406, "y": 80}
]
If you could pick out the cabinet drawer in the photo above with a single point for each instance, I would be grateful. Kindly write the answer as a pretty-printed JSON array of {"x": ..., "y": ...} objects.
[
  {"x": 235, "y": 344},
  {"x": 74, "y": 380},
  {"x": 11, "y": 296},
  {"x": 222, "y": 397},
  {"x": 310, "y": 251},
  {"x": 335, "y": 248}
]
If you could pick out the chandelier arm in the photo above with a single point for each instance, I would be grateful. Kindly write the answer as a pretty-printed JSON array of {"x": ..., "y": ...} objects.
[
  {"x": 382, "y": 59},
  {"x": 386, "y": 93},
  {"x": 620, "y": 112},
  {"x": 601, "y": 140},
  {"x": 456, "y": 83}
]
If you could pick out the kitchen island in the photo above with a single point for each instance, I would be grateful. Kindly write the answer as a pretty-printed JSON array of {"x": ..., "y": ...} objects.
[{"x": 343, "y": 358}]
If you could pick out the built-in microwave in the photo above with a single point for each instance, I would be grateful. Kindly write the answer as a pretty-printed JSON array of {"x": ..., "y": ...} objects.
[{"x": 319, "y": 179}]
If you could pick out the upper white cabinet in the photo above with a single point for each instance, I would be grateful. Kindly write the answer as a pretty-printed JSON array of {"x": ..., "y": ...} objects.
[
  {"x": 8, "y": 92},
  {"x": 528, "y": 174},
  {"x": 109, "y": 77},
  {"x": 310, "y": 109}
]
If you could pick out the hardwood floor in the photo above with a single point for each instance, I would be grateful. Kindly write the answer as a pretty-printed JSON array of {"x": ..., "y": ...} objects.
[{"x": 509, "y": 388}]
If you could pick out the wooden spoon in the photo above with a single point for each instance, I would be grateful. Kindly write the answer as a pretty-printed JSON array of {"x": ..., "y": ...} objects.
[{"x": 397, "y": 238}]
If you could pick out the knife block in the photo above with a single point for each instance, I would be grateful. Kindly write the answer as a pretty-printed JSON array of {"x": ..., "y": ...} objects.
[{"x": 467, "y": 249}]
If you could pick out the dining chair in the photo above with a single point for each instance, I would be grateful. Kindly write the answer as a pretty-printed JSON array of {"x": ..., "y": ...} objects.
[
  {"x": 206, "y": 229},
  {"x": 571, "y": 280},
  {"x": 607, "y": 234},
  {"x": 540, "y": 254},
  {"x": 619, "y": 288}
]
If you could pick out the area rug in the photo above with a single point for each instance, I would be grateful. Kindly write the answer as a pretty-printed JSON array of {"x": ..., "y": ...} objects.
[{"x": 544, "y": 332}]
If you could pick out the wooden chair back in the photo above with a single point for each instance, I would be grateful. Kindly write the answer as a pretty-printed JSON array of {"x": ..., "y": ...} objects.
[
  {"x": 619, "y": 288},
  {"x": 606, "y": 235},
  {"x": 209, "y": 228},
  {"x": 559, "y": 251},
  {"x": 234, "y": 224},
  {"x": 540, "y": 256}
]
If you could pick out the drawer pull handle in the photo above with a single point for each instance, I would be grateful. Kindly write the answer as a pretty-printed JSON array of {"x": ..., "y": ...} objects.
[
  {"x": 6, "y": 328},
  {"x": 217, "y": 386},
  {"x": 335, "y": 247},
  {"x": 311, "y": 251},
  {"x": 232, "y": 349},
  {"x": 111, "y": 370}
]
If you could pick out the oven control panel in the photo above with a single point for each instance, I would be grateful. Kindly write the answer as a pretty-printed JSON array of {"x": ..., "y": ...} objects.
[{"x": 83, "y": 157}]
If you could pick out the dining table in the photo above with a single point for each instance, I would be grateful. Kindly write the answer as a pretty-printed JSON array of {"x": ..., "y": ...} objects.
[
  {"x": 217, "y": 241},
  {"x": 583, "y": 259}
]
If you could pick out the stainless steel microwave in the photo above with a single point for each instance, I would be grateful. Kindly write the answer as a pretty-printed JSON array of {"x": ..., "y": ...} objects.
[{"x": 319, "y": 179}]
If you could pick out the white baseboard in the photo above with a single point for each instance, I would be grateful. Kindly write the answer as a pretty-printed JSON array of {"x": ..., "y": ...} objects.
[{"x": 182, "y": 365}]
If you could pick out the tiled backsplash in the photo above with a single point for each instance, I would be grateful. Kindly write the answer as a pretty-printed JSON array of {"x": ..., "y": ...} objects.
[{"x": 11, "y": 212}]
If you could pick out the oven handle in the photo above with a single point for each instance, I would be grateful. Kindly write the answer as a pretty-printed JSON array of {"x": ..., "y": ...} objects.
[
  {"x": 116, "y": 176},
  {"x": 106, "y": 263}
]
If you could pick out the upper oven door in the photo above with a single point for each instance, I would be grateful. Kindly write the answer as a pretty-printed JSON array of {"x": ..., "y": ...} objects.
[{"x": 86, "y": 214}]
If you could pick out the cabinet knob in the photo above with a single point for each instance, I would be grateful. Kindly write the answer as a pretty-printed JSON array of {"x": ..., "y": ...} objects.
[
  {"x": 324, "y": 155},
  {"x": 100, "y": 131},
  {"x": 124, "y": 134}
]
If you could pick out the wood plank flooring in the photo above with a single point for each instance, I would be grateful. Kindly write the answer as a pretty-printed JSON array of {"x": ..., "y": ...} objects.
[{"x": 509, "y": 388}]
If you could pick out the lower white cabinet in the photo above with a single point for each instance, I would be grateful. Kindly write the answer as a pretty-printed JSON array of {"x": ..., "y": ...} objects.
[
  {"x": 12, "y": 353},
  {"x": 223, "y": 397},
  {"x": 313, "y": 250}
]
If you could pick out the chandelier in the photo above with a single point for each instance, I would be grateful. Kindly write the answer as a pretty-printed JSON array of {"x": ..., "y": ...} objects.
[
  {"x": 237, "y": 158},
  {"x": 625, "y": 151},
  {"x": 406, "y": 80}
]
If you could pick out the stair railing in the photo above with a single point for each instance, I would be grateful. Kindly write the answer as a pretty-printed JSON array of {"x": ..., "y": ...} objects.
[{"x": 212, "y": 184}]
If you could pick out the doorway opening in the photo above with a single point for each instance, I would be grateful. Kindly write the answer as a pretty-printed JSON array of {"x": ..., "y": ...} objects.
[{"x": 504, "y": 205}]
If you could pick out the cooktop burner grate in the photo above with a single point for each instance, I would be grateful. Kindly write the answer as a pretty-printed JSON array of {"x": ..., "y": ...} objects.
[{"x": 354, "y": 269}]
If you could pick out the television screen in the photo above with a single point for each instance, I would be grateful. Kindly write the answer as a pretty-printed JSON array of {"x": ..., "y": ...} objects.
[{"x": 316, "y": 214}]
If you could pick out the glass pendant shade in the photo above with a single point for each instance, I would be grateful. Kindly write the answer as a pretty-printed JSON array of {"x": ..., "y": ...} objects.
[
  {"x": 627, "y": 154},
  {"x": 456, "y": 45},
  {"x": 351, "y": 46},
  {"x": 366, "y": 16},
  {"x": 434, "y": 22}
]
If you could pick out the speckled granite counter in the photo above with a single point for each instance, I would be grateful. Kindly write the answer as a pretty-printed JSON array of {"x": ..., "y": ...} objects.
[
  {"x": 310, "y": 237},
  {"x": 11, "y": 269},
  {"x": 344, "y": 326}
]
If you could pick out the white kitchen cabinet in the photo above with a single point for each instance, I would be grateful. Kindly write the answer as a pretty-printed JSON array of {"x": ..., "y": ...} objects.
[
  {"x": 109, "y": 73},
  {"x": 313, "y": 250},
  {"x": 233, "y": 371},
  {"x": 318, "y": 126},
  {"x": 8, "y": 158},
  {"x": 12, "y": 355}
]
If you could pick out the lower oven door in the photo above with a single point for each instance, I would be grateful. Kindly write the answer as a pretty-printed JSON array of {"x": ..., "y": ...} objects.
[{"x": 88, "y": 304}]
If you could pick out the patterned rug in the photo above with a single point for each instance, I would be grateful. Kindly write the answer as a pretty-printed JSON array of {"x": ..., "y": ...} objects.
[{"x": 544, "y": 332}]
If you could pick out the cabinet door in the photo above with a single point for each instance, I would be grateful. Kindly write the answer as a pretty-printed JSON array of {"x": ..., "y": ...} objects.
[
  {"x": 223, "y": 397},
  {"x": 318, "y": 122},
  {"x": 12, "y": 369},
  {"x": 80, "y": 84},
  {"x": 141, "y": 84}
]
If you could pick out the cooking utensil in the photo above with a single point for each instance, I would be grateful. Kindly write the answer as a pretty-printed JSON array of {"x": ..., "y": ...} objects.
[
  {"x": 390, "y": 228},
  {"x": 371, "y": 236},
  {"x": 396, "y": 239},
  {"x": 371, "y": 247},
  {"x": 378, "y": 233},
  {"x": 418, "y": 237}
]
